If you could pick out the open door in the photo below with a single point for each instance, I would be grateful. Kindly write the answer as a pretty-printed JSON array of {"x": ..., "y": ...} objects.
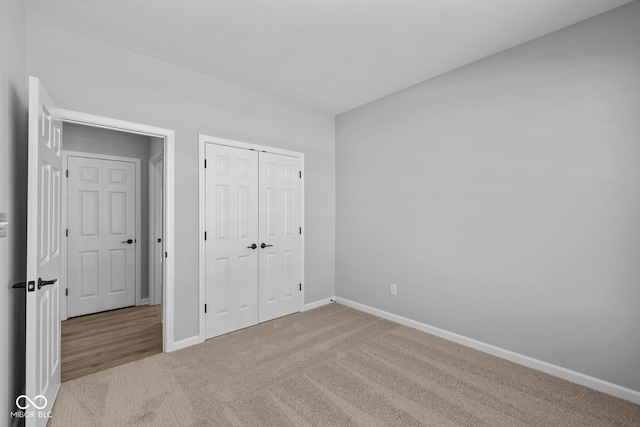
[{"x": 43, "y": 257}]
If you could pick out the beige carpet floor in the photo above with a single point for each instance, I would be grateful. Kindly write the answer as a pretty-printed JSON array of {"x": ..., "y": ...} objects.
[{"x": 331, "y": 366}]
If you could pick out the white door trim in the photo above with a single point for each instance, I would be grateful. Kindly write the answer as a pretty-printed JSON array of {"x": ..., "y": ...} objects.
[
  {"x": 202, "y": 140},
  {"x": 65, "y": 266},
  {"x": 168, "y": 135},
  {"x": 154, "y": 292}
]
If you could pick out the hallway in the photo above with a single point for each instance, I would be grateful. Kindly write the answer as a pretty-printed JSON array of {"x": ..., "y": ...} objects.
[{"x": 96, "y": 342}]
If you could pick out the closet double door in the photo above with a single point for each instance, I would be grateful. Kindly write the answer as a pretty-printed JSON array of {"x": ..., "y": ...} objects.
[{"x": 253, "y": 248}]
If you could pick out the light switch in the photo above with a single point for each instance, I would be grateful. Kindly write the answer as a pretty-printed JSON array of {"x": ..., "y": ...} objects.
[{"x": 4, "y": 224}]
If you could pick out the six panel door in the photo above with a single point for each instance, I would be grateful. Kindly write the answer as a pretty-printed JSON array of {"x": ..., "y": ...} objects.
[
  {"x": 102, "y": 235},
  {"x": 231, "y": 270},
  {"x": 42, "y": 333},
  {"x": 253, "y": 243},
  {"x": 279, "y": 213}
]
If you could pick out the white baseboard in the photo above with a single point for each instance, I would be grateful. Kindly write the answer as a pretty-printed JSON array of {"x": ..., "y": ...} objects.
[
  {"x": 187, "y": 342},
  {"x": 317, "y": 304},
  {"x": 548, "y": 368},
  {"x": 144, "y": 301}
]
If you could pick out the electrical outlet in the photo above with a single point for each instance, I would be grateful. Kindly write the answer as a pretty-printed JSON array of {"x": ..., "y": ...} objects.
[{"x": 393, "y": 289}]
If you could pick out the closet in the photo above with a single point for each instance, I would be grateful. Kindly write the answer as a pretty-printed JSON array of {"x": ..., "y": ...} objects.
[{"x": 253, "y": 237}]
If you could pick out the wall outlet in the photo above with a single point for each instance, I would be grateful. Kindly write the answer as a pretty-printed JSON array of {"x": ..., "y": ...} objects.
[{"x": 393, "y": 289}]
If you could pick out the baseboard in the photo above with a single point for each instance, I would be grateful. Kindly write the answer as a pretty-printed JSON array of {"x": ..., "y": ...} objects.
[
  {"x": 187, "y": 342},
  {"x": 548, "y": 368},
  {"x": 317, "y": 304},
  {"x": 144, "y": 301}
]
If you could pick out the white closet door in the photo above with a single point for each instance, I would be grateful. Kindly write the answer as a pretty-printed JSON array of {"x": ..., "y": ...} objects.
[
  {"x": 280, "y": 240},
  {"x": 231, "y": 271},
  {"x": 102, "y": 231}
]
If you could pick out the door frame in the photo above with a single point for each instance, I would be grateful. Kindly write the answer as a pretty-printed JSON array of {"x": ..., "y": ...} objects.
[
  {"x": 168, "y": 135},
  {"x": 64, "y": 306},
  {"x": 154, "y": 290},
  {"x": 202, "y": 141}
]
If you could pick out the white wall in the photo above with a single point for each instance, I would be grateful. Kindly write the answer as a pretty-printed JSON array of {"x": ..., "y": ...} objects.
[
  {"x": 96, "y": 140},
  {"x": 86, "y": 75},
  {"x": 503, "y": 199},
  {"x": 13, "y": 138}
]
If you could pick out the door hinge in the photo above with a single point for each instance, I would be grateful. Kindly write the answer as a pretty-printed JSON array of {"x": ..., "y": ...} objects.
[
  {"x": 67, "y": 173},
  {"x": 166, "y": 254},
  {"x": 205, "y": 235},
  {"x": 300, "y": 174},
  {"x": 300, "y": 286},
  {"x": 205, "y": 308},
  {"x": 301, "y": 230},
  {"x": 66, "y": 292},
  {"x": 205, "y": 163},
  {"x": 66, "y": 232}
]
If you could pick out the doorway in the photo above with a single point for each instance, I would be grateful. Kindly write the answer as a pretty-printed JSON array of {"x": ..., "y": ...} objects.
[
  {"x": 252, "y": 247},
  {"x": 162, "y": 145},
  {"x": 111, "y": 307},
  {"x": 107, "y": 215}
]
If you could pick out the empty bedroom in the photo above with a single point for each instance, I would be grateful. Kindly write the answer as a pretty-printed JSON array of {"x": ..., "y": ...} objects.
[{"x": 320, "y": 213}]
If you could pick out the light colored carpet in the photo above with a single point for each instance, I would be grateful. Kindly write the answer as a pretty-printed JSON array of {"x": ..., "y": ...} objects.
[{"x": 331, "y": 366}]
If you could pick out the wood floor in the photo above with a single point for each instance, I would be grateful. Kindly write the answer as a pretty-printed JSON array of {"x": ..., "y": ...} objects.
[{"x": 99, "y": 341}]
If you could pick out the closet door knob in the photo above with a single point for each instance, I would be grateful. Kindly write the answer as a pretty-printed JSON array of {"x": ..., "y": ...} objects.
[
  {"x": 264, "y": 245},
  {"x": 252, "y": 246}
]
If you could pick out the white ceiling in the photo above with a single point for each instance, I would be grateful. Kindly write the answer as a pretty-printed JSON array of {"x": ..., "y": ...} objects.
[{"x": 329, "y": 55}]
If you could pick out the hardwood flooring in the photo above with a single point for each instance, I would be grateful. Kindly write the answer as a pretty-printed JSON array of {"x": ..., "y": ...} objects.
[{"x": 99, "y": 341}]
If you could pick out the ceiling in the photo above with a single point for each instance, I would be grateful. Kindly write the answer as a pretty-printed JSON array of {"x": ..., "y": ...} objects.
[{"x": 328, "y": 55}]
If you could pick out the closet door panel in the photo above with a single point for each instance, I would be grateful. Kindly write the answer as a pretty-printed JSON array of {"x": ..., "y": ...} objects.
[
  {"x": 231, "y": 270},
  {"x": 279, "y": 224}
]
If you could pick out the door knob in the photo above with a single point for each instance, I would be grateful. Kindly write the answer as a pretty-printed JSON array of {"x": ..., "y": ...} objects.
[
  {"x": 42, "y": 283},
  {"x": 252, "y": 246},
  {"x": 264, "y": 245},
  {"x": 130, "y": 241}
]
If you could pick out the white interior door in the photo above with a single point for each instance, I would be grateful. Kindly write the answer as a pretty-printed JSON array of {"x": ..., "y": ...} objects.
[
  {"x": 157, "y": 248},
  {"x": 43, "y": 257},
  {"x": 231, "y": 254},
  {"x": 101, "y": 253},
  {"x": 280, "y": 239}
]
